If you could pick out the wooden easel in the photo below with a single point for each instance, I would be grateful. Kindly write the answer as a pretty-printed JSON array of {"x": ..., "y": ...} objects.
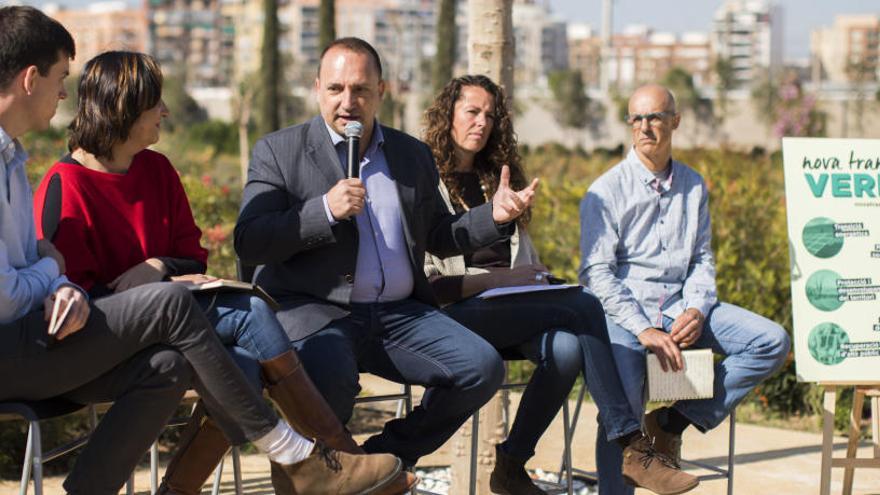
[{"x": 850, "y": 462}]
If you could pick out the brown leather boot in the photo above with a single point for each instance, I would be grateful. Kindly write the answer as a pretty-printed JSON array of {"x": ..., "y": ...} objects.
[
  {"x": 202, "y": 445},
  {"x": 510, "y": 477},
  {"x": 331, "y": 471},
  {"x": 303, "y": 405},
  {"x": 644, "y": 467},
  {"x": 668, "y": 444}
]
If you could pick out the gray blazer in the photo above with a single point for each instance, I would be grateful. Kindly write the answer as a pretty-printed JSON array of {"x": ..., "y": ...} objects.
[{"x": 309, "y": 265}]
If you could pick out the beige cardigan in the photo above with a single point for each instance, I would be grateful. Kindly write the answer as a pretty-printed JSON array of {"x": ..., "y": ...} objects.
[{"x": 522, "y": 251}]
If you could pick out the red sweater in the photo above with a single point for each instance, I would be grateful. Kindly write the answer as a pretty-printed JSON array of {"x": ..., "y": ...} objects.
[{"x": 111, "y": 222}]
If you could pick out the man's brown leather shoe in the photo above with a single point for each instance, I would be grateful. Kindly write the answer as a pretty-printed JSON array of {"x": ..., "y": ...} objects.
[
  {"x": 403, "y": 483},
  {"x": 644, "y": 467},
  {"x": 327, "y": 471},
  {"x": 665, "y": 443}
]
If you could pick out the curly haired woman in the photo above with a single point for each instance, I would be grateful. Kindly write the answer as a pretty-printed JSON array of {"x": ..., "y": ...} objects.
[{"x": 563, "y": 332}]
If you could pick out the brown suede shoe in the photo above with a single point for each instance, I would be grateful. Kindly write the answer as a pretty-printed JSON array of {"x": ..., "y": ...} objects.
[
  {"x": 665, "y": 443},
  {"x": 403, "y": 483},
  {"x": 643, "y": 467},
  {"x": 510, "y": 477},
  {"x": 327, "y": 471}
]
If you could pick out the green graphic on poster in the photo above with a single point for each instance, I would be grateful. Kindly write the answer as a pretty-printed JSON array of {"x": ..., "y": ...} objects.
[
  {"x": 819, "y": 238},
  {"x": 826, "y": 342},
  {"x": 822, "y": 290}
]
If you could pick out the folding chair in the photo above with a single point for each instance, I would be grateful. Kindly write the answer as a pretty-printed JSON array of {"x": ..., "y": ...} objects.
[{"x": 34, "y": 412}]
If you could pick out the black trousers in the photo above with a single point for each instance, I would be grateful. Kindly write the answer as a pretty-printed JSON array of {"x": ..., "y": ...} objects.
[{"x": 141, "y": 349}]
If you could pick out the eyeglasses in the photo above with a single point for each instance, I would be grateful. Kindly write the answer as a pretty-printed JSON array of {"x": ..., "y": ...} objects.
[{"x": 654, "y": 119}]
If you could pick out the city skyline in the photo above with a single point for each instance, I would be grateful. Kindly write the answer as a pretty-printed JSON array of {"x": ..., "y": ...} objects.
[{"x": 798, "y": 22}]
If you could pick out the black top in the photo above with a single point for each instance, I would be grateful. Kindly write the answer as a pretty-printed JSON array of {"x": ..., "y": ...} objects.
[{"x": 494, "y": 255}]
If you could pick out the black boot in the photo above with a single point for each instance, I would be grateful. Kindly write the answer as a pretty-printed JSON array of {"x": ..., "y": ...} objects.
[{"x": 510, "y": 477}]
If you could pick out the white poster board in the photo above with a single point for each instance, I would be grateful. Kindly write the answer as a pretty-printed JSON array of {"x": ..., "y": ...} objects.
[{"x": 832, "y": 192}]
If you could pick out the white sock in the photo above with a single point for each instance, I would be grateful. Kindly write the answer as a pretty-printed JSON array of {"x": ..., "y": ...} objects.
[{"x": 284, "y": 445}]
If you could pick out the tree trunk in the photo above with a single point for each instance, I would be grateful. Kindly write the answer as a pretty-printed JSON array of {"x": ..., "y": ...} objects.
[
  {"x": 444, "y": 60},
  {"x": 244, "y": 116},
  {"x": 326, "y": 23},
  {"x": 270, "y": 70},
  {"x": 490, "y": 52},
  {"x": 490, "y": 41}
]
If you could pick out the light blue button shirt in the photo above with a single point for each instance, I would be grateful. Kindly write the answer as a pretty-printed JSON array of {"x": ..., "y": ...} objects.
[
  {"x": 25, "y": 278},
  {"x": 646, "y": 247},
  {"x": 383, "y": 272}
]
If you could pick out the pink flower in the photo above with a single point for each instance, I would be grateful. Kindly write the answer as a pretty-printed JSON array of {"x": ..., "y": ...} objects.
[{"x": 216, "y": 234}]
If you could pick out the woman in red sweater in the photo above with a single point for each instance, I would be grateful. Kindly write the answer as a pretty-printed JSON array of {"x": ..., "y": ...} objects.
[{"x": 125, "y": 221}]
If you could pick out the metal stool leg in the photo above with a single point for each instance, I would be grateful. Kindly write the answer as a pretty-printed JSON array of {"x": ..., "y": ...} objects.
[
  {"x": 28, "y": 458},
  {"x": 730, "y": 452},
  {"x": 565, "y": 464},
  {"x": 236, "y": 470},
  {"x": 566, "y": 452},
  {"x": 218, "y": 475},
  {"x": 38, "y": 458},
  {"x": 475, "y": 434},
  {"x": 154, "y": 468},
  {"x": 129, "y": 485}
]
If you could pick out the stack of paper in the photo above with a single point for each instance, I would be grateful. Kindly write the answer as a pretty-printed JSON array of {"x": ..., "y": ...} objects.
[{"x": 693, "y": 382}]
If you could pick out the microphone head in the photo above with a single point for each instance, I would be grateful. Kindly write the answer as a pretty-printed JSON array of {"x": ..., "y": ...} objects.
[{"x": 354, "y": 129}]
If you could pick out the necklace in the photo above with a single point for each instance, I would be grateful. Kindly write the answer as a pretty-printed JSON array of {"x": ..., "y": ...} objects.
[{"x": 483, "y": 189}]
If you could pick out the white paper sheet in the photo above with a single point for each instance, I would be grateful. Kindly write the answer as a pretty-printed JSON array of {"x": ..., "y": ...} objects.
[{"x": 522, "y": 289}]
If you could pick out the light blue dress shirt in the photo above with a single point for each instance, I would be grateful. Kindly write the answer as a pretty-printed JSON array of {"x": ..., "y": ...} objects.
[
  {"x": 646, "y": 244},
  {"x": 383, "y": 272},
  {"x": 25, "y": 278}
]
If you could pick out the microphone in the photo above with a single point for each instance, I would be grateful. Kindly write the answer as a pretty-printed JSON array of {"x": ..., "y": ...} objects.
[{"x": 353, "y": 132}]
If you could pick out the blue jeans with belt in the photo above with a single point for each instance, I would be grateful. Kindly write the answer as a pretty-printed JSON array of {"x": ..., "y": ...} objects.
[
  {"x": 753, "y": 348},
  {"x": 563, "y": 333},
  {"x": 248, "y": 328}
]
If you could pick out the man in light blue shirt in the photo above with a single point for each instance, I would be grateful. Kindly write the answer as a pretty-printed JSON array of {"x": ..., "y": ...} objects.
[{"x": 646, "y": 253}]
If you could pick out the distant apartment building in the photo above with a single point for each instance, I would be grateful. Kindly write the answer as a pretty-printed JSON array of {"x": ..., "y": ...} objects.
[
  {"x": 848, "y": 51},
  {"x": 102, "y": 26},
  {"x": 402, "y": 31},
  {"x": 638, "y": 55},
  {"x": 585, "y": 52},
  {"x": 540, "y": 43},
  {"x": 192, "y": 39},
  {"x": 748, "y": 33}
]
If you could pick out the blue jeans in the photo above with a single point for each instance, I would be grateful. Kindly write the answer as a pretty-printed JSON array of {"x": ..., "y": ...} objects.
[
  {"x": 247, "y": 327},
  {"x": 406, "y": 342},
  {"x": 754, "y": 348},
  {"x": 563, "y": 333}
]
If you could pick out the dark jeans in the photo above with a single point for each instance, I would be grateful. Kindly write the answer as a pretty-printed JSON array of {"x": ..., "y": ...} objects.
[
  {"x": 563, "y": 332},
  {"x": 405, "y": 342},
  {"x": 138, "y": 348}
]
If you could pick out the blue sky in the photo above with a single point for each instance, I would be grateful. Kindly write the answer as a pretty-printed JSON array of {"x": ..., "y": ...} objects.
[{"x": 799, "y": 16}]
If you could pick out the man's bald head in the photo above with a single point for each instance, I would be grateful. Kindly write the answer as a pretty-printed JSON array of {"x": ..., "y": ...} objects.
[
  {"x": 654, "y": 119},
  {"x": 655, "y": 95}
]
